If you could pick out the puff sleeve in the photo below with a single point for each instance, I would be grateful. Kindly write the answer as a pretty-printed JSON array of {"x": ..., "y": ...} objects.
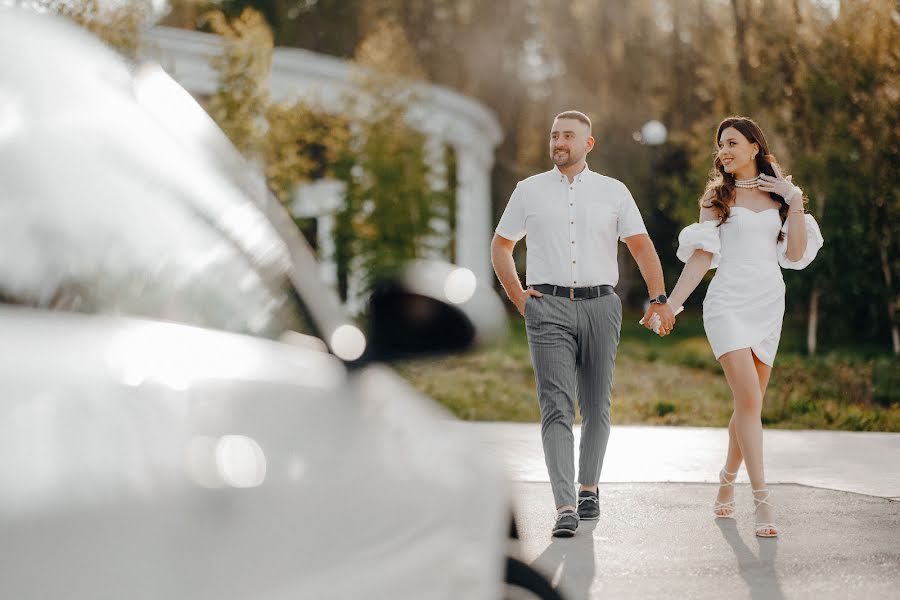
[
  {"x": 700, "y": 236},
  {"x": 814, "y": 241}
]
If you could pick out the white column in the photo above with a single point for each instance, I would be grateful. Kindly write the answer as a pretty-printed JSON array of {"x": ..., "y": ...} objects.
[
  {"x": 436, "y": 159},
  {"x": 473, "y": 212},
  {"x": 321, "y": 200},
  {"x": 326, "y": 249},
  {"x": 356, "y": 299}
]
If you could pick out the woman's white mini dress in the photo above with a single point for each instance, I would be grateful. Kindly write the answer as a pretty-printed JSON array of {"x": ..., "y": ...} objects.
[{"x": 744, "y": 305}]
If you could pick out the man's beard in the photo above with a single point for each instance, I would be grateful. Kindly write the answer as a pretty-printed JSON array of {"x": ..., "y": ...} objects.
[{"x": 565, "y": 159}]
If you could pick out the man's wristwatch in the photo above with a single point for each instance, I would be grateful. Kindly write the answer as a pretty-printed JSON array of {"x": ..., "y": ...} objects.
[{"x": 661, "y": 299}]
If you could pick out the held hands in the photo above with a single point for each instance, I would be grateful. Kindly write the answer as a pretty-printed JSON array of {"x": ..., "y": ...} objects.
[
  {"x": 783, "y": 186},
  {"x": 656, "y": 322},
  {"x": 659, "y": 318},
  {"x": 519, "y": 301}
]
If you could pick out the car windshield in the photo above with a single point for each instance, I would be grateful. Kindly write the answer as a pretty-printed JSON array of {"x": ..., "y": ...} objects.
[
  {"x": 103, "y": 211},
  {"x": 150, "y": 253}
]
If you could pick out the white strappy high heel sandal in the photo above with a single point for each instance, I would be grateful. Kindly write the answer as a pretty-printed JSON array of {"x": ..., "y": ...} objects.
[
  {"x": 725, "y": 510},
  {"x": 764, "y": 529}
]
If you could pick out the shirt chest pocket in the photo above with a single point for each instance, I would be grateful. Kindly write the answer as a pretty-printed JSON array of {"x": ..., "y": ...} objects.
[{"x": 602, "y": 217}]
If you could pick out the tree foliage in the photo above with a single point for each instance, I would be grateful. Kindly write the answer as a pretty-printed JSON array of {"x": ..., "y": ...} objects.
[
  {"x": 117, "y": 25},
  {"x": 303, "y": 143},
  {"x": 239, "y": 104},
  {"x": 391, "y": 204},
  {"x": 820, "y": 77}
]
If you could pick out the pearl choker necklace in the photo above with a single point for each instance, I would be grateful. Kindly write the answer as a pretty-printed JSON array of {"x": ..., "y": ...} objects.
[{"x": 747, "y": 183}]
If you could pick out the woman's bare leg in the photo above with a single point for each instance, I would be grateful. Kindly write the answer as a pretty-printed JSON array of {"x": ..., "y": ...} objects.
[
  {"x": 748, "y": 378},
  {"x": 734, "y": 458}
]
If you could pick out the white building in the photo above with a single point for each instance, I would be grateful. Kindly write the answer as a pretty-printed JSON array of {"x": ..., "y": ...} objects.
[{"x": 466, "y": 125}]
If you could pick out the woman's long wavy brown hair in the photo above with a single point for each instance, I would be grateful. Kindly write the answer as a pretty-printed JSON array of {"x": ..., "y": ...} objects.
[{"x": 720, "y": 189}]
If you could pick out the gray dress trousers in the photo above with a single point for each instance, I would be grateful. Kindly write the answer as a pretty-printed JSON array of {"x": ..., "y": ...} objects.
[{"x": 573, "y": 350}]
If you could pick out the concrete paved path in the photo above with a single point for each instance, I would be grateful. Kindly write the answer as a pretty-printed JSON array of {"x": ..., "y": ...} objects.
[
  {"x": 660, "y": 541},
  {"x": 836, "y": 496},
  {"x": 865, "y": 463}
]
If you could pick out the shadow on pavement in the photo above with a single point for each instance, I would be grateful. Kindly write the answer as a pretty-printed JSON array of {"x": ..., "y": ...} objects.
[
  {"x": 758, "y": 572},
  {"x": 570, "y": 563}
]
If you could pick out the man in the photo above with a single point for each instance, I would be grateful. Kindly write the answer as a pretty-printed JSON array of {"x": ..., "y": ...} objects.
[{"x": 573, "y": 218}]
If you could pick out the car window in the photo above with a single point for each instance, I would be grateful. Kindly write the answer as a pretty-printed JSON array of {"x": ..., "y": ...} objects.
[
  {"x": 164, "y": 261},
  {"x": 101, "y": 211}
]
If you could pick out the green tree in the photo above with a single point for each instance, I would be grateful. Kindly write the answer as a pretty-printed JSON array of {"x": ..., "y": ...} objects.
[
  {"x": 856, "y": 87},
  {"x": 118, "y": 25},
  {"x": 828, "y": 86},
  {"x": 822, "y": 82},
  {"x": 240, "y": 101},
  {"x": 303, "y": 143},
  {"x": 329, "y": 26},
  {"x": 390, "y": 208}
]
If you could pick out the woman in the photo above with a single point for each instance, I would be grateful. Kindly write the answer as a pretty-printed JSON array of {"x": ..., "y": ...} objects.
[{"x": 751, "y": 222}]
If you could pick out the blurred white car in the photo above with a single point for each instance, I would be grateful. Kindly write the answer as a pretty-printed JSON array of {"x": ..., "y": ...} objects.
[{"x": 184, "y": 410}]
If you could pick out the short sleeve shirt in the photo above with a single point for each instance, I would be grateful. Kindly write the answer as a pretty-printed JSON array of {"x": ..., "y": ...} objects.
[{"x": 573, "y": 228}]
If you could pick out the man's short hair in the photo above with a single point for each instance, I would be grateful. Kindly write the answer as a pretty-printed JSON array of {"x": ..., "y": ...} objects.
[{"x": 577, "y": 115}]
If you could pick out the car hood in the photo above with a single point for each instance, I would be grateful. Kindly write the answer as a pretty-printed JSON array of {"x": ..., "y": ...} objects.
[
  {"x": 74, "y": 387},
  {"x": 149, "y": 460}
]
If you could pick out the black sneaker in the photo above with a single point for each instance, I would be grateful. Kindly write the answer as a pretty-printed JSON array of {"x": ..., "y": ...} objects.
[
  {"x": 588, "y": 506},
  {"x": 566, "y": 524}
]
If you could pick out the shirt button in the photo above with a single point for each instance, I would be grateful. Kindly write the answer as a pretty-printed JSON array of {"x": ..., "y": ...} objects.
[
  {"x": 571, "y": 222},
  {"x": 573, "y": 262},
  {"x": 570, "y": 204},
  {"x": 571, "y": 187},
  {"x": 573, "y": 241}
]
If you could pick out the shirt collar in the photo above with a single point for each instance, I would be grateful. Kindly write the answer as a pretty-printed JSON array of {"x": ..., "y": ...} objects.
[{"x": 578, "y": 178}]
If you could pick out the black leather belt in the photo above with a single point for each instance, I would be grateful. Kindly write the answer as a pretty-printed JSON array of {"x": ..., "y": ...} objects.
[{"x": 580, "y": 293}]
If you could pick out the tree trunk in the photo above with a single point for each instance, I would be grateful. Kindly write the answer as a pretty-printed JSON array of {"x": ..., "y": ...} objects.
[
  {"x": 886, "y": 270},
  {"x": 740, "y": 35},
  {"x": 812, "y": 326},
  {"x": 798, "y": 16}
]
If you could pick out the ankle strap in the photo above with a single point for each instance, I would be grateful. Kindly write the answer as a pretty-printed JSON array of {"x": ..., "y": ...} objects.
[
  {"x": 724, "y": 480},
  {"x": 764, "y": 500}
]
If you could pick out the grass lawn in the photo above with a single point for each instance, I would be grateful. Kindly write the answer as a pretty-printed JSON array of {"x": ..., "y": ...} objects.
[{"x": 674, "y": 381}]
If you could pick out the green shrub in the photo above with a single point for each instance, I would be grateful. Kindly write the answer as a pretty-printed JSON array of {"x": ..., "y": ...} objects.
[
  {"x": 664, "y": 408},
  {"x": 674, "y": 381}
]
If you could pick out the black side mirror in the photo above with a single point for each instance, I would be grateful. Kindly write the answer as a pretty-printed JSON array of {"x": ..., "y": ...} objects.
[{"x": 432, "y": 308}]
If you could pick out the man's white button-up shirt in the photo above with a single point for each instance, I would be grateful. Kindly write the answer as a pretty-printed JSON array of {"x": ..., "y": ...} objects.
[{"x": 573, "y": 228}]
